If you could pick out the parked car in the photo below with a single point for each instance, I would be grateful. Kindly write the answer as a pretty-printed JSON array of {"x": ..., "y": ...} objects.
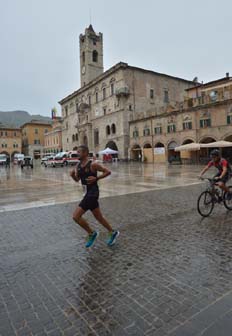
[
  {"x": 60, "y": 159},
  {"x": 49, "y": 162},
  {"x": 3, "y": 159},
  {"x": 27, "y": 162},
  {"x": 45, "y": 159},
  {"x": 18, "y": 158},
  {"x": 71, "y": 159}
]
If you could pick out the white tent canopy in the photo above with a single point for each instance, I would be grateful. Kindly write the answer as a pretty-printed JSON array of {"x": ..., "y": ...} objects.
[
  {"x": 217, "y": 144},
  {"x": 108, "y": 151},
  {"x": 193, "y": 146}
]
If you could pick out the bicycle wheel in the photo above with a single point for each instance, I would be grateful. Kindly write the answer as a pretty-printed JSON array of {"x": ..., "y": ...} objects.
[
  {"x": 228, "y": 200},
  {"x": 205, "y": 204}
]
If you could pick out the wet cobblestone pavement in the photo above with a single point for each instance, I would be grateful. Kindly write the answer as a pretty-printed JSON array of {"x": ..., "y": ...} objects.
[{"x": 169, "y": 274}]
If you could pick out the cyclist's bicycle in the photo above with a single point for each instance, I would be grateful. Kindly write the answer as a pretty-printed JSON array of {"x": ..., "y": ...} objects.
[{"x": 212, "y": 195}]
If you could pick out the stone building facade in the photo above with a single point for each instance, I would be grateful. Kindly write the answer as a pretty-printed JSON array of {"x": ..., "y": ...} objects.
[
  {"x": 205, "y": 115},
  {"x": 33, "y": 135},
  {"x": 99, "y": 113},
  {"x": 10, "y": 140}
]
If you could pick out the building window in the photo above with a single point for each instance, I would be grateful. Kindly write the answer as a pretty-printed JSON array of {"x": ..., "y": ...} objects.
[
  {"x": 73, "y": 137},
  {"x": 158, "y": 130},
  {"x": 112, "y": 89},
  {"x": 95, "y": 56},
  {"x": 66, "y": 111},
  {"x": 6, "y": 133},
  {"x": 96, "y": 137},
  {"x": 152, "y": 93},
  {"x": 83, "y": 57},
  {"x": 229, "y": 119},
  {"x": 135, "y": 133},
  {"x": 76, "y": 137},
  {"x": 166, "y": 96},
  {"x": 46, "y": 130},
  {"x": 89, "y": 100},
  {"x": 171, "y": 128},
  {"x": 204, "y": 123},
  {"x": 213, "y": 96},
  {"x": 146, "y": 131},
  {"x": 1, "y": 133},
  {"x": 113, "y": 128},
  {"x": 96, "y": 97},
  {"x": 104, "y": 110},
  {"x": 187, "y": 125},
  {"x": 107, "y": 130},
  {"x": 36, "y": 142},
  {"x": 104, "y": 93},
  {"x": 67, "y": 139},
  {"x": 130, "y": 107},
  {"x": 15, "y": 134}
]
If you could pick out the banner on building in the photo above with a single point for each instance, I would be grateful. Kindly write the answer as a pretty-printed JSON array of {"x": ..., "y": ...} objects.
[{"x": 159, "y": 150}]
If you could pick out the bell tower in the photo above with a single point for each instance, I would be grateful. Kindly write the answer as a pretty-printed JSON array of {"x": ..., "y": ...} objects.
[{"x": 91, "y": 55}]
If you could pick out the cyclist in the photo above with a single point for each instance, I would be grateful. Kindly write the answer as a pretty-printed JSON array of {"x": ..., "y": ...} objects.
[{"x": 224, "y": 171}]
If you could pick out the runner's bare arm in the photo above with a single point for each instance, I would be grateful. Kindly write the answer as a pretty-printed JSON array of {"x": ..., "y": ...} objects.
[
  {"x": 97, "y": 167},
  {"x": 74, "y": 175}
]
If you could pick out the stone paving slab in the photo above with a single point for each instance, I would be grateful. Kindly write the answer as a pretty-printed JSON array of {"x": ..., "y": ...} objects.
[{"x": 168, "y": 267}]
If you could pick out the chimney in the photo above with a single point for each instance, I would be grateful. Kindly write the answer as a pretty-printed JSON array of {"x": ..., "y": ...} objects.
[{"x": 227, "y": 75}]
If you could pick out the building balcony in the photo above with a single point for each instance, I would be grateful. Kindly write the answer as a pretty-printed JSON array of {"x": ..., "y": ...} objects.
[{"x": 122, "y": 92}]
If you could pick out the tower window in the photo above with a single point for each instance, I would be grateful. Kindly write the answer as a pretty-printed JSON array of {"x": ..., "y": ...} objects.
[
  {"x": 83, "y": 57},
  {"x": 95, "y": 56},
  {"x": 96, "y": 97}
]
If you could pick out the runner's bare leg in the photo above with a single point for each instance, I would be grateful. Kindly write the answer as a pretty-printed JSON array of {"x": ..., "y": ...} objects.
[
  {"x": 77, "y": 217},
  {"x": 101, "y": 219}
]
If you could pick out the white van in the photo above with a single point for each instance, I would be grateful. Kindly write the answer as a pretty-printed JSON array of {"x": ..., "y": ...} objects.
[
  {"x": 18, "y": 158},
  {"x": 3, "y": 159}
]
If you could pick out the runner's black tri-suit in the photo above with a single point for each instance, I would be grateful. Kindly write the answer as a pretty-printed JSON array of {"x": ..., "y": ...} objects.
[{"x": 90, "y": 200}]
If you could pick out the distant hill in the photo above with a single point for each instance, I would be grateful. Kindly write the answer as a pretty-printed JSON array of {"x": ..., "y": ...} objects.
[{"x": 18, "y": 118}]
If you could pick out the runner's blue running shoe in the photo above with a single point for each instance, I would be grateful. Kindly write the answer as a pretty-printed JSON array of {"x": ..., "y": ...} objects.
[
  {"x": 91, "y": 239},
  {"x": 112, "y": 238}
]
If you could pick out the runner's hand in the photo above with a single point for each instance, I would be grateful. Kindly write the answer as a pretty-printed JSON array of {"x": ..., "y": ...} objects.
[
  {"x": 91, "y": 179},
  {"x": 72, "y": 173}
]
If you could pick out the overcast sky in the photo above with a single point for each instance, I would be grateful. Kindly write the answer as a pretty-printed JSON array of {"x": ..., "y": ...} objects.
[{"x": 39, "y": 52}]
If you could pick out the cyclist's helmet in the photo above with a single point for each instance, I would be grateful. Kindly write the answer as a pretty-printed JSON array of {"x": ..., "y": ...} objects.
[{"x": 215, "y": 152}]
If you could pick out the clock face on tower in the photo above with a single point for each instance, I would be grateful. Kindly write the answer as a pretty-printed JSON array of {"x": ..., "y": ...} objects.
[{"x": 83, "y": 70}]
